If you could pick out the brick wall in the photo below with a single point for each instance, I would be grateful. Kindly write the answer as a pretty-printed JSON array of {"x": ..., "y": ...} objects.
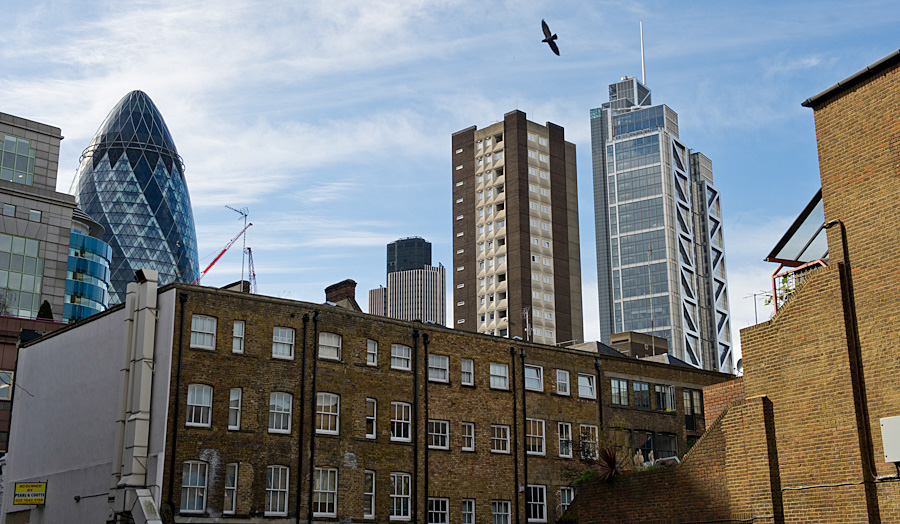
[
  {"x": 717, "y": 398},
  {"x": 724, "y": 476}
]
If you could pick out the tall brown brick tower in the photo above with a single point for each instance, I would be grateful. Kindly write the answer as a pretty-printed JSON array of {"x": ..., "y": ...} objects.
[{"x": 516, "y": 263}]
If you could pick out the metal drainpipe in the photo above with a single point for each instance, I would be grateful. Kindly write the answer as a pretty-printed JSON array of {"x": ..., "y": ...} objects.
[
  {"x": 525, "y": 419},
  {"x": 182, "y": 297},
  {"x": 415, "y": 426},
  {"x": 312, "y": 425},
  {"x": 425, "y": 346},
  {"x": 302, "y": 410},
  {"x": 599, "y": 395},
  {"x": 515, "y": 432}
]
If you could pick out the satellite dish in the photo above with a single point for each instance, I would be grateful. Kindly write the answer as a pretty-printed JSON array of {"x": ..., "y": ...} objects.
[{"x": 740, "y": 366}]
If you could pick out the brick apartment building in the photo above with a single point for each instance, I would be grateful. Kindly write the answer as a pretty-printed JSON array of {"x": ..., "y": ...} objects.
[
  {"x": 516, "y": 258},
  {"x": 799, "y": 438},
  {"x": 225, "y": 412}
]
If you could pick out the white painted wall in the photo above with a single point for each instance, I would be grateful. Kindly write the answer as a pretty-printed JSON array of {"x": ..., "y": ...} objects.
[{"x": 63, "y": 428}]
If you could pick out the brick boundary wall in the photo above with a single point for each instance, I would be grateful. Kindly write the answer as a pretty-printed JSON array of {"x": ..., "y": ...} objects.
[{"x": 718, "y": 397}]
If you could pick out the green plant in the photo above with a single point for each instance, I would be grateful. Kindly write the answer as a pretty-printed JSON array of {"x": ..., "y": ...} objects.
[
  {"x": 610, "y": 463},
  {"x": 585, "y": 475}
]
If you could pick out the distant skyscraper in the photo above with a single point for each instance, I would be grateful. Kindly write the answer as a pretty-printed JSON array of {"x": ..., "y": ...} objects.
[
  {"x": 516, "y": 263},
  {"x": 131, "y": 181},
  {"x": 408, "y": 253},
  {"x": 415, "y": 291},
  {"x": 659, "y": 231}
]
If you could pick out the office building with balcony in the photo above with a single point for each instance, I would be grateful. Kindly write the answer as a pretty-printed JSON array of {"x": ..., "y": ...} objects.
[{"x": 516, "y": 260}]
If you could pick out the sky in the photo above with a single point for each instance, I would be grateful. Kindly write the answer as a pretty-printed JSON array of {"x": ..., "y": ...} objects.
[{"x": 330, "y": 121}]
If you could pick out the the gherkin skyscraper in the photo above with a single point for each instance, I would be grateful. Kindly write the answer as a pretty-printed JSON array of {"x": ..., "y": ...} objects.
[{"x": 131, "y": 181}]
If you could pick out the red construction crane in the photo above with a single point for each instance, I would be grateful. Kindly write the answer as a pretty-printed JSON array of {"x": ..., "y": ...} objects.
[
  {"x": 252, "y": 271},
  {"x": 228, "y": 245}
]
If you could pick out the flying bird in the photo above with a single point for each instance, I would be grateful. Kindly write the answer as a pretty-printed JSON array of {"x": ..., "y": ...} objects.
[{"x": 549, "y": 37}]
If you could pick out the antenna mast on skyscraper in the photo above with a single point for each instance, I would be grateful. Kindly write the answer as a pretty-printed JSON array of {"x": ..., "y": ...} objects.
[{"x": 643, "y": 69}]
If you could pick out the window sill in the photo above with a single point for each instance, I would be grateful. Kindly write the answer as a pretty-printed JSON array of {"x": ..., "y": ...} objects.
[
  {"x": 201, "y": 426},
  {"x": 283, "y": 357}
]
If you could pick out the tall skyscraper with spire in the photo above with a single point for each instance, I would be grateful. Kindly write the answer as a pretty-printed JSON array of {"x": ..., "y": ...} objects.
[{"x": 658, "y": 218}]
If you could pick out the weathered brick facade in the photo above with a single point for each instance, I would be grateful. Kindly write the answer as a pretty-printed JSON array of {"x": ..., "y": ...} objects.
[
  {"x": 452, "y": 473},
  {"x": 806, "y": 444}
]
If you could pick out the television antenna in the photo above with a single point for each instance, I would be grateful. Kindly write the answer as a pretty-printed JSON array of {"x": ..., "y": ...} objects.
[{"x": 244, "y": 212}]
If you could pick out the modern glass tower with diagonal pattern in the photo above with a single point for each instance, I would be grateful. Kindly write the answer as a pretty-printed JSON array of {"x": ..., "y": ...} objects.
[
  {"x": 660, "y": 249},
  {"x": 131, "y": 181}
]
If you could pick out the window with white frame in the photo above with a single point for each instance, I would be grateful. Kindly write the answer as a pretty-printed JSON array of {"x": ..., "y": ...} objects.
[
  {"x": 619, "y": 391},
  {"x": 468, "y": 436},
  {"x": 438, "y": 434},
  {"x": 438, "y": 368},
  {"x": 325, "y": 492},
  {"x": 371, "y": 352},
  {"x": 280, "y": 412},
  {"x": 499, "y": 439},
  {"x": 564, "y": 430},
  {"x": 499, "y": 376},
  {"x": 234, "y": 409},
  {"x": 237, "y": 337},
  {"x": 276, "y": 491},
  {"x": 401, "y": 419},
  {"x": 329, "y": 346},
  {"x": 589, "y": 440},
  {"x": 566, "y": 494},
  {"x": 193, "y": 487},
  {"x": 328, "y": 413},
  {"x": 231, "y": 476},
  {"x": 400, "y": 356},
  {"x": 534, "y": 437},
  {"x": 665, "y": 397},
  {"x": 400, "y": 496},
  {"x": 586, "y": 386},
  {"x": 203, "y": 332},
  {"x": 562, "y": 382},
  {"x": 199, "y": 405},
  {"x": 468, "y": 511},
  {"x": 438, "y": 511},
  {"x": 534, "y": 378},
  {"x": 499, "y": 512},
  {"x": 369, "y": 495},
  {"x": 371, "y": 411},
  {"x": 536, "y": 503},
  {"x": 467, "y": 378},
  {"x": 283, "y": 343}
]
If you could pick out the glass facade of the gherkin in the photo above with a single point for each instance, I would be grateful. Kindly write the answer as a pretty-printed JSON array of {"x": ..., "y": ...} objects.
[{"x": 131, "y": 181}]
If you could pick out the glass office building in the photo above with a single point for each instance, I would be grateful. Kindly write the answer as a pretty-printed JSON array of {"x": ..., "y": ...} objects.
[
  {"x": 660, "y": 249},
  {"x": 87, "y": 274},
  {"x": 131, "y": 181}
]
